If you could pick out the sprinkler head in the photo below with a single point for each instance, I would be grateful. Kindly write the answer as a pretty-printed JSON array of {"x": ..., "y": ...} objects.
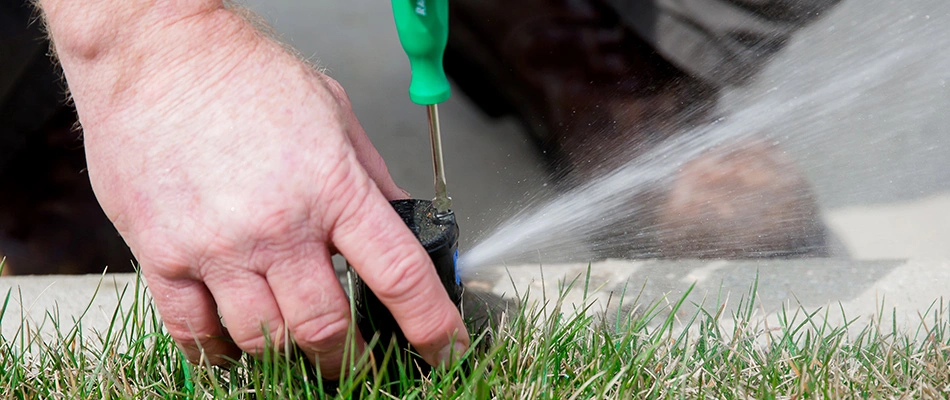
[{"x": 438, "y": 233}]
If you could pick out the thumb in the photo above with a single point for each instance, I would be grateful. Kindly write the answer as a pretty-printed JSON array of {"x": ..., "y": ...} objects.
[{"x": 389, "y": 258}]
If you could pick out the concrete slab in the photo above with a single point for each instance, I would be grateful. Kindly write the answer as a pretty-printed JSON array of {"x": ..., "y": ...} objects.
[
  {"x": 916, "y": 228},
  {"x": 36, "y": 302},
  {"x": 859, "y": 288}
]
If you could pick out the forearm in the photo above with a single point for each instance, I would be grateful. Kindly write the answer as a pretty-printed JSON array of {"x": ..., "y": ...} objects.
[{"x": 115, "y": 50}]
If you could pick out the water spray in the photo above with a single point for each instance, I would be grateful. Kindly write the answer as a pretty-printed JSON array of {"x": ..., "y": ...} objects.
[{"x": 889, "y": 76}]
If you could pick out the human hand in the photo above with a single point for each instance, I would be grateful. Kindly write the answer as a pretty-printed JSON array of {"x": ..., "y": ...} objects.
[{"x": 234, "y": 171}]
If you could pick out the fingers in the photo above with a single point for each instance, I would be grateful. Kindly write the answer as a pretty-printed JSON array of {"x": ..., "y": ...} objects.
[
  {"x": 302, "y": 294},
  {"x": 315, "y": 307},
  {"x": 190, "y": 316},
  {"x": 248, "y": 308},
  {"x": 391, "y": 261}
]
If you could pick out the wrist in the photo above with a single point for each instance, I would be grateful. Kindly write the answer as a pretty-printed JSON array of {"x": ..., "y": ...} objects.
[
  {"x": 94, "y": 28},
  {"x": 145, "y": 53}
]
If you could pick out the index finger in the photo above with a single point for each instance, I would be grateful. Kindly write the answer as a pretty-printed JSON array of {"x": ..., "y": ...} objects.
[{"x": 390, "y": 260}]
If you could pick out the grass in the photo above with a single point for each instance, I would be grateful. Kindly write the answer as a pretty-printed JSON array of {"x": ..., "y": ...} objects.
[{"x": 535, "y": 353}]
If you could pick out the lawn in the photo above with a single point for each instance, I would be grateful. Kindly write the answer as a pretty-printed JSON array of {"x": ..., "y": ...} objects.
[{"x": 530, "y": 352}]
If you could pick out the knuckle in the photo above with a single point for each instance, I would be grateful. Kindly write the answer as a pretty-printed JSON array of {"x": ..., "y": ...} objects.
[
  {"x": 348, "y": 202},
  {"x": 169, "y": 268},
  {"x": 399, "y": 283},
  {"x": 431, "y": 330},
  {"x": 275, "y": 233},
  {"x": 164, "y": 257},
  {"x": 342, "y": 176},
  {"x": 336, "y": 89},
  {"x": 184, "y": 336},
  {"x": 322, "y": 334},
  {"x": 255, "y": 343},
  {"x": 253, "y": 243},
  {"x": 256, "y": 340}
]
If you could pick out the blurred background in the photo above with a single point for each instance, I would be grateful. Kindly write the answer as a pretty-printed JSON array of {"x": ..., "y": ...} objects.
[
  {"x": 880, "y": 169},
  {"x": 858, "y": 99}
]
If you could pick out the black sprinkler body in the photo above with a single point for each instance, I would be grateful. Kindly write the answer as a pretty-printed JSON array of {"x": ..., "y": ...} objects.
[{"x": 438, "y": 234}]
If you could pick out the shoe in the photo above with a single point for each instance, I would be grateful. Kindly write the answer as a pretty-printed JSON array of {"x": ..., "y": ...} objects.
[{"x": 595, "y": 96}]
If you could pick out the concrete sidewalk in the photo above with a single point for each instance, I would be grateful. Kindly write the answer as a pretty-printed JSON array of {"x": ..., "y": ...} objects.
[{"x": 861, "y": 288}]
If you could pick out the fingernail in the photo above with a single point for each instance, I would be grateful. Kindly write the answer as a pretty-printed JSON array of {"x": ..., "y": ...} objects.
[
  {"x": 405, "y": 193},
  {"x": 451, "y": 353}
]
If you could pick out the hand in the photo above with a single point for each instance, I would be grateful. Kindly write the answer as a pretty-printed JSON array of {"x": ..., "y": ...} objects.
[{"x": 234, "y": 171}]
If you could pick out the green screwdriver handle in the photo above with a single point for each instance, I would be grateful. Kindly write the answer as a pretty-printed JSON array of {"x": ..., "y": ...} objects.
[{"x": 423, "y": 27}]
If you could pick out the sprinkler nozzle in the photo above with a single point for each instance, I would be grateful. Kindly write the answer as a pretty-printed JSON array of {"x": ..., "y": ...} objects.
[{"x": 438, "y": 233}]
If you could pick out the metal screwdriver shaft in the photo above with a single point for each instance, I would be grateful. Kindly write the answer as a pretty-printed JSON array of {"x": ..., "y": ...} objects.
[
  {"x": 442, "y": 201},
  {"x": 423, "y": 28}
]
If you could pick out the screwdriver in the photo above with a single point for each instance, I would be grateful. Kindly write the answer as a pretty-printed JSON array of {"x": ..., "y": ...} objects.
[
  {"x": 423, "y": 31},
  {"x": 423, "y": 27}
]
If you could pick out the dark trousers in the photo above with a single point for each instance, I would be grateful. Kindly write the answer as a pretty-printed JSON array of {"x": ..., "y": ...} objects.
[{"x": 724, "y": 42}]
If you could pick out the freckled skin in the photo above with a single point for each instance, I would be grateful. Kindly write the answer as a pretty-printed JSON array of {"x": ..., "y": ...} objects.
[{"x": 234, "y": 211}]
